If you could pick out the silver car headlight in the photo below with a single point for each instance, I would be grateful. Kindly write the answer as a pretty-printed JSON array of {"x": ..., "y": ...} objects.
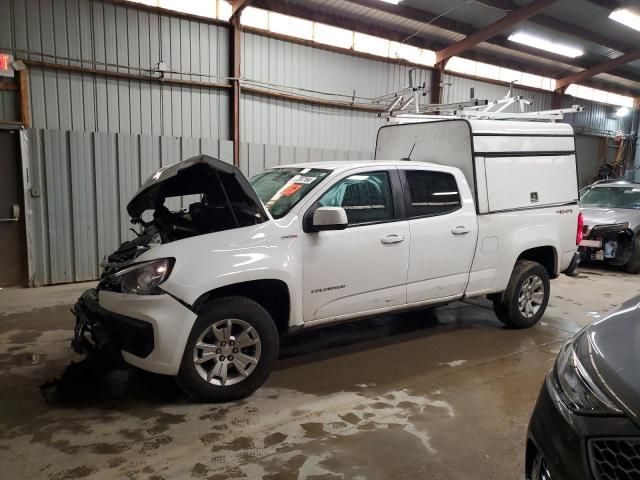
[
  {"x": 576, "y": 388},
  {"x": 142, "y": 278}
]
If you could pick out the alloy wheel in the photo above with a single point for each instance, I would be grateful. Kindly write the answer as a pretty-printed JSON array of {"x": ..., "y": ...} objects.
[
  {"x": 227, "y": 352},
  {"x": 531, "y": 296}
]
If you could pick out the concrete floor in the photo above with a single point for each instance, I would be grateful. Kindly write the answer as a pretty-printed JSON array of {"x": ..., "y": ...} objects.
[{"x": 438, "y": 394}]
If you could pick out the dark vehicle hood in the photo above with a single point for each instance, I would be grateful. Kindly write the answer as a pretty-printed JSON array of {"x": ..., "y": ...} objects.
[
  {"x": 610, "y": 350},
  {"x": 607, "y": 216},
  {"x": 196, "y": 175}
]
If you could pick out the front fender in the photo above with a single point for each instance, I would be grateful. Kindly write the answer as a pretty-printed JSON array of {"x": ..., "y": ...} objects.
[{"x": 268, "y": 251}]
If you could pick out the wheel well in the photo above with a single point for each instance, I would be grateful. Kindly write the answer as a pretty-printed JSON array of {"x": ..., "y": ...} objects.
[
  {"x": 273, "y": 295},
  {"x": 545, "y": 256}
]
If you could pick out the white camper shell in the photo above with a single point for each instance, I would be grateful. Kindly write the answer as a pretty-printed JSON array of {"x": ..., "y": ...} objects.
[{"x": 509, "y": 165}]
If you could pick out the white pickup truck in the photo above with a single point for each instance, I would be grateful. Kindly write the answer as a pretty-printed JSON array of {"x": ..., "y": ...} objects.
[{"x": 225, "y": 265}]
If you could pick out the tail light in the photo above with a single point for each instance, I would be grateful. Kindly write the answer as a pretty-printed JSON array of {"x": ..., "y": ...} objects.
[{"x": 580, "y": 228}]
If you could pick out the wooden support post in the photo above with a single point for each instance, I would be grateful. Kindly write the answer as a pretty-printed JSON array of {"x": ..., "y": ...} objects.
[
  {"x": 234, "y": 105},
  {"x": 436, "y": 80},
  {"x": 556, "y": 98},
  {"x": 25, "y": 113}
]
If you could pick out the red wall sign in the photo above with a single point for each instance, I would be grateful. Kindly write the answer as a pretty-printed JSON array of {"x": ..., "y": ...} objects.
[{"x": 6, "y": 70}]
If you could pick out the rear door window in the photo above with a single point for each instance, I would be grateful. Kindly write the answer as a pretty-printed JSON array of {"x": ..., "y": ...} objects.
[{"x": 431, "y": 193}]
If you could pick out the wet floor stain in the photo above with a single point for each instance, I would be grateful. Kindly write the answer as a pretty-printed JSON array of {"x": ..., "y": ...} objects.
[{"x": 368, "y": 400}]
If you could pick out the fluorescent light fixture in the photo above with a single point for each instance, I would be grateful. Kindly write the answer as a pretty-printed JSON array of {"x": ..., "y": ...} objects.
[
  {"x": 622, "y": 112},
  {"x": 542, "y": 44},
  {"x": 393, "y": 2},
  {"x": 626, "y": 17}
]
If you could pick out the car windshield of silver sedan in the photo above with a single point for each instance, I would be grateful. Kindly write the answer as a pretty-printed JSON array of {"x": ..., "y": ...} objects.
[
  {"x": 612, "y": 197},
  {"x": 281, "y": 188}
]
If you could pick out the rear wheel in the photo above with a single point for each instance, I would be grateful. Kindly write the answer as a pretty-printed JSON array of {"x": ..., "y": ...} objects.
[
  {"x": 230, "y": 351},
  {"x": 633, "y": 265},
  {"x": 524, "y": 301}
]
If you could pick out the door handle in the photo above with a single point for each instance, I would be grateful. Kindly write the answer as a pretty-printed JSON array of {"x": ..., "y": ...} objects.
[
  {"x": 393, "y": 238},
  {"x": 460, "y": 230},
  {"x": 15, "y": 210}
]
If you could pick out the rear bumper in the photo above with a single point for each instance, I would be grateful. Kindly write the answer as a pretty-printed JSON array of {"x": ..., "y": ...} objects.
[{"x": 146, "y": 331}]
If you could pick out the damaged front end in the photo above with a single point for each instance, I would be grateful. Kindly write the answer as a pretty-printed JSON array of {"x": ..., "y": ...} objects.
[
  {"x": 611, "y": 243},
  {"x": 103, "y": 334},
  {"x": 198, "y": 196}
]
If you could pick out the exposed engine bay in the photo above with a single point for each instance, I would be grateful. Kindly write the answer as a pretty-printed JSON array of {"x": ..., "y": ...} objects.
[{"x": 222, "y": 198}]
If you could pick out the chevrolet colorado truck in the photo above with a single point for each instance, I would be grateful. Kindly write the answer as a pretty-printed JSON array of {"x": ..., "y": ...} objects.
[{"x": 206, "y": 289}]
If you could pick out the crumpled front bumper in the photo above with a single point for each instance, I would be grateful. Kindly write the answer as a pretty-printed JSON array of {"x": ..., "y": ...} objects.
[
  {"x": 101, "y": 332},
  {"x": 147, "y": 331}
]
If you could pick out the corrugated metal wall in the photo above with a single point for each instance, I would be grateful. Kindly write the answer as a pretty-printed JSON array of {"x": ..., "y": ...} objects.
[
  {"x": 457, "y": 89},
  {"x": 99, "y": 35},
  {"x": 96, "y": 138},
  {"x": 597, "y": 119},
  {"x": 9, "y": 109},
  {"x": 86, "y": 179},
  {"x": 587, "y": 148},
  {"x": 320, "y": 73}
]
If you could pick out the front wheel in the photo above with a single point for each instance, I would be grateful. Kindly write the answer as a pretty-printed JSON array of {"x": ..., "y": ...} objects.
[
  {"x": 524, "y": 301},
  {"x": 230, "y": 352}
]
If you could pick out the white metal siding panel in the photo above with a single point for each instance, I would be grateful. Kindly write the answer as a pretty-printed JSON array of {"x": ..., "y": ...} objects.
[
  {"x": 59, "y": 201},
  {"x": 89, "y": 34},
  {"x": 587, "y": 148},
  {"x": 82, "y": 171},
  {"x": 458, "y": 89}
]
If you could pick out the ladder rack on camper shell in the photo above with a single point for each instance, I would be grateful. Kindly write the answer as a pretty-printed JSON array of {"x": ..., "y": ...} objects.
[{"x": 478, "y": 110}]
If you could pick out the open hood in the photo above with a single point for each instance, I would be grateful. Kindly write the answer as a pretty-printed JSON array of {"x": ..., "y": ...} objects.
[{"x": 222, "y": 183}]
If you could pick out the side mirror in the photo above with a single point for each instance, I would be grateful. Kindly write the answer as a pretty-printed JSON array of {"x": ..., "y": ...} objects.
[{"x": 330, "y": 218}]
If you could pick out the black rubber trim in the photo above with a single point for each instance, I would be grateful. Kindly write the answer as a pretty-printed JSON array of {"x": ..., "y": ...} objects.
[
  {"x": 480, "y": 134},
  {"x": 532, "y": 207},
  {"x": 526, "y": 154}
]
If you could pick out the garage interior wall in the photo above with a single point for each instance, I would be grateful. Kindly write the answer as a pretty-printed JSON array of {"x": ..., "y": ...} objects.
[
  {"x": 95, "y": 138},
  {"x": 9, "y": 105}
]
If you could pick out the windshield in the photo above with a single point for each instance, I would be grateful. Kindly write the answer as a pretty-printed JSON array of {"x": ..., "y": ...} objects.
[
  {"x": 612, "y": 197},
  {"x": 281, "y": 188}
]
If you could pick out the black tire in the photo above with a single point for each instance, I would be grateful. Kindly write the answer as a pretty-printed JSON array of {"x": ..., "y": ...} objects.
[
  {"x": 633, "y": 265},
  {"x": 506, "y": 305},
  {"x": 253, "y": 314}
]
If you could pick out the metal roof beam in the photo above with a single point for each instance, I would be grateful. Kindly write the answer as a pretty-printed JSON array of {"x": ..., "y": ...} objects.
[
  {"x": 325, "y": 15},
  {"x": 560, "y": 26},
  {"x": 238, "y": 5},
  {"x": 369, "y": 28},
  {"x": 593, "y": 71},
  {"x": 512, "y": 18}
]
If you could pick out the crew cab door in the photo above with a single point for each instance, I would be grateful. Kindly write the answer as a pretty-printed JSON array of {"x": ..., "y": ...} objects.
[
  {"x": 444, "y": 230},
  {"x": 362, "y": 268}
]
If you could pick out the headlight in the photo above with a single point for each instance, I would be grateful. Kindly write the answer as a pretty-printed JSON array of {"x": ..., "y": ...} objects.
[
  {"x": 142, "y": 278},
  {"x": 576, "y": 388}
]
